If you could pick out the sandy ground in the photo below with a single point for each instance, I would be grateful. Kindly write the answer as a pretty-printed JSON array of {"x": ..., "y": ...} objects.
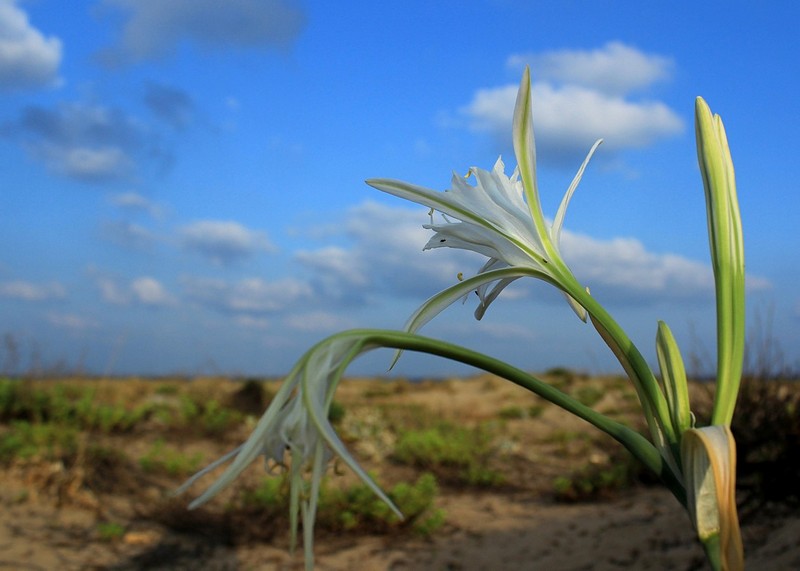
[
  {"x": 519, "y": 528},
  {"x": 644, "y": 530}
]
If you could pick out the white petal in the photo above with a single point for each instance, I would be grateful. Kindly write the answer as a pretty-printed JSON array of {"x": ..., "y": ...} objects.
[{"x": 558, "y": 222}]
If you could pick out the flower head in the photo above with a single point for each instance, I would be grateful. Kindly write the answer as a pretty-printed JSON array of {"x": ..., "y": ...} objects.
[
  {"x": 296, "y": 424},
  {"x": 500, "y": 216}
]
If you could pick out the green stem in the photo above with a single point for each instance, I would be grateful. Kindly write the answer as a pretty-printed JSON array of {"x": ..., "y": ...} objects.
[
  {"x": 713, "y": 553},
  {"x": 635, "y": 443},
  {"x": 653, "y": 400}
]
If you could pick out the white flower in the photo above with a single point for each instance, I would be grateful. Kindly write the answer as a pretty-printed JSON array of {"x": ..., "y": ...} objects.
[
  {"x": 296, "y": 422},
  {"x": 500, "y": 217}
]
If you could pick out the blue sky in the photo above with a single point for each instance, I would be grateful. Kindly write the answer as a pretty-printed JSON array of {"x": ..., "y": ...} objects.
[{"x": 183, "y": 182}]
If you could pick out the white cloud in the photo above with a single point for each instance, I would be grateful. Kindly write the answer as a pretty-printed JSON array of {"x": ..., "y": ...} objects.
[
  {"x": 90, "y": 164},
  {"x": 149, "y": 291},
  {"x": 251, "y": 322},
  {"x": 145, "y": 291},
  {"x": 27, "y": 58},
  {"x": 569, "y": 119},
  {"x": 223, "y": 242},
  {"x": 616, "y": 68},
  {"x": 128, "y": 235},
  {"x": 317, "y": 321},
  {"x": 624, "y": 269},
  {"x": 154, "y": 28},
  {"x": 573, "y": 112},
  {"x": 71, "y": 321},
  {"x": 251, "y": 296},
  {"x": 27, "y": 291},
  {"x": 135, "y": 202},
  {"x": 386, "y": 258},
  {"x": 91, "y": 143}
]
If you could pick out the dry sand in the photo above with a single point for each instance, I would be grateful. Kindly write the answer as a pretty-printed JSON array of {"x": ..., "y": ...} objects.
[{"x": 49, "y": 519}]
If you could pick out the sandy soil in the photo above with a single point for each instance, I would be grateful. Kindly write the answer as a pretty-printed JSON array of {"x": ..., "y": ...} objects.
[{"x": 49, "y": 518}]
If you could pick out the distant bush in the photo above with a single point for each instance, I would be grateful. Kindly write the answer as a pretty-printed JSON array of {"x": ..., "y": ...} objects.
[
  {"x": 208, "y": 415},
  {"x": 27, "y": 440},
  {"x": 353, "y": 508},
  {"x": 456, "y": 454},
  {"x": 336, "y": 412},
  {"x": 166, "y": 460},
  {"x": 110, "y": 531},
  {"x": 598, "y": 481},
  {"x": 589, "y": 395},
  {"x": 64, "y": 405},
  {"x": 511, "y": 412},
  {"x": 767, "y": 430}
]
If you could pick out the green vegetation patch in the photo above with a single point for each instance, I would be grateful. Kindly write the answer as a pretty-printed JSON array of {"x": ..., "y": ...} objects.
[
  {"x": 355, "y": 507},
  {"x": 456, "y": 454}
]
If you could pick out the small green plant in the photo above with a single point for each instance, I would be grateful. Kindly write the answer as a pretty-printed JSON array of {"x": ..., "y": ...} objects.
[
  {"x": 536, "y": 410},
  {"x": 511, "y": 412},
  {"x": 110, "y": 531},
  {"x": 596, "y": 481},
  {"x": 456, "y": 454},
  {"x": 65, "y": 405},
  {"x": 167, "y": 460},
  {"x": 336, "y": 412},
  {"x": 27, "y": 440},
  {"x": 214, "y": 418},
  {"x": 589, "y": 395},
  {"x": 355, "y": 507},
  {"x": 167, "y": 389}
]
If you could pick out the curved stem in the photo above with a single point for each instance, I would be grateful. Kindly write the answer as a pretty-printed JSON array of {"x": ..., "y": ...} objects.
[
  {"x": 635, "y": 443},
  {"x": 632, "y": 361}
]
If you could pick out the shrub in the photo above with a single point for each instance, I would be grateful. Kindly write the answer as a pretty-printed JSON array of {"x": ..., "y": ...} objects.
[
  {"x": 27, "y": 440},
  {"x": 598, "y": 481},
  {"x": 589, "y": 395},
  {"x": 512, "y": 412},
  {"x": 457, "y": 455},
  {"x": 212, "y": 417},
  {"x": 110, "y": 531},
  {"x": 356, "y": 507},
  {"x": 336, "y": 412},
  {"x": 166, "y": 460},
  {"x": 767, "y": 430}
]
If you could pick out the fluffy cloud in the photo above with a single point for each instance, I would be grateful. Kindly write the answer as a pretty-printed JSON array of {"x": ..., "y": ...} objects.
[
  {"x": 385, "y": 257},
  {"x": 154, "y": 28},
  {"x": 145, "y": 291},
  {"x": 251, "y": 297},
  {"x": 27, "y": 291},
  {"x": 91, "y": 143},
  {"x": 134, "y": 202},
  {"x": 128, "y": 235},
  {"x": 223, "y": 242},
  {"x": 572, "y": 109},
  {"x": 71, "y": 321},
  {"x": 317, "y": 322},
  {"x": 27, "y": 58},
  {"x": 614, "y": 69},
  {"x": 149, "y": 291},
  {"x": 391, "y": 263},
  {"x": 622, "y": 269}
]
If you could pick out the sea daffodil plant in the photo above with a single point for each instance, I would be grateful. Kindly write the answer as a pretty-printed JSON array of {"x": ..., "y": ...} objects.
[{"x": 501, "y": 218}]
